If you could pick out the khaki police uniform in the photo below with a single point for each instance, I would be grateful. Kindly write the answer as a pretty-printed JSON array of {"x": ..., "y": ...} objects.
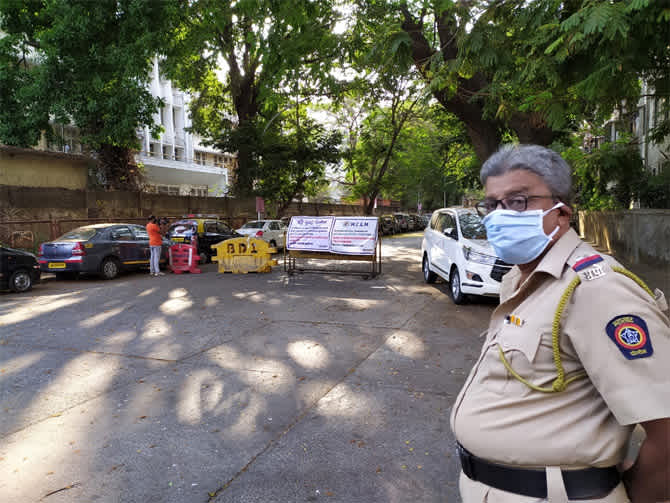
[{"x": 612, "y": 329}]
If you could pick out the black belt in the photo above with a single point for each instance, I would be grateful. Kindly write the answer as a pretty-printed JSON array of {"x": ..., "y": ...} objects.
[{"x": 584, "y": 484}]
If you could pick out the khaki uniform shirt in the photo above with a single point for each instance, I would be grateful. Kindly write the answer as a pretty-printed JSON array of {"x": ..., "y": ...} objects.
[{"x": 499, "y": 418}]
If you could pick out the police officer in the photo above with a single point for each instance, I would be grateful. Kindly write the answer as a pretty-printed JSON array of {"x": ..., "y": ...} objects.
[{"x": 575, "y": 356}]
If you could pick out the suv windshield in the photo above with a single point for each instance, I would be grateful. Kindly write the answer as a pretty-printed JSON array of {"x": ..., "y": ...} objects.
[
  {"x": 80, "y": 234},
  {"x": 253, "y": 225},
  {"x": 471, "y": 226}
]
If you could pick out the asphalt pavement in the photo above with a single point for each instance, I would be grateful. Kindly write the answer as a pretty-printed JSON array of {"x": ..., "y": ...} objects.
[{"x": 235, "y": 388}]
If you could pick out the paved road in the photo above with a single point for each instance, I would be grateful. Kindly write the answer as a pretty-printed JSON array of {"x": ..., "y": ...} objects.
[{"x": 234, "y": 388}]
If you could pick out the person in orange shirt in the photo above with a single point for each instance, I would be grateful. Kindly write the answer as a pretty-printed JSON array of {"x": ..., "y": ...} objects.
[{"x": 155, "y": 244}]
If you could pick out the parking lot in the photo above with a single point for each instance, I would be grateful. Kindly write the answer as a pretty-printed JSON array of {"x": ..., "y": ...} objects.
[{"x": 235, "y": 388}]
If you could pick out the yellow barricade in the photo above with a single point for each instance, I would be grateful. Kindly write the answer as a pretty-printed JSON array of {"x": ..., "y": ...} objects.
[{"x": 243, "y": 255}]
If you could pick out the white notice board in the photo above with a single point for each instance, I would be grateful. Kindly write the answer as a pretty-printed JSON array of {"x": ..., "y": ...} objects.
[
  {"x": 309, "y": 234},
  {"x": 354, "y": 235},
  {"x": 342, "y": 235}
]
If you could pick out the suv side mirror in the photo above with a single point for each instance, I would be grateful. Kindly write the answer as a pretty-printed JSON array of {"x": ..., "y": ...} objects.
[{"x": 450, "y": 232}]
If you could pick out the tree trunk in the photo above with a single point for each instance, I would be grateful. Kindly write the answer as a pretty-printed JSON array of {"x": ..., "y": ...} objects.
[
  {"x": 118, "y": 168},
  {"x": 245, "y": 101},
  {"x": 485, "y": 134},
  {"x": 370, "y": 203},
  {"x": 531, "y": 128}
]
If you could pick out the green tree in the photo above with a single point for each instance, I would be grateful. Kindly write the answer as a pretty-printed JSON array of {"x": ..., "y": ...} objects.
[
  {"x": 434, "y": 163},
  {"x": 371, "y": 162},
  {"x": 87, "y": 63},
  {"x": 572, "y": 60},
  {"x": 431, "y": 36},
  {"x": 23, "y": 108},
  {"x": 269, "y": 50},
  {"x": 294, "y": 159},
  {"x": 609, "y": 177},
  {"x": 535, "y": 68}
]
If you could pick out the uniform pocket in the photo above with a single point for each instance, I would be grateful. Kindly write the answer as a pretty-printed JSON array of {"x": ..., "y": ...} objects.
[{"x": 526, "y": 349}]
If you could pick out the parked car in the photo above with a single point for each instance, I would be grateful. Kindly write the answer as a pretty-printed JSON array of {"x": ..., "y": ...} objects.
[
  {"x": 272, "y": 231},
  {"x": 387, "y": 225},
  {"x": 19, "y": 270},
  {"x": 415, "y": 222},
  {"x": 401, "y": 221},
  {"x": 425, "y": 219},
  {"x": 104, "y": 249},
  {"x": 207, "y": 232},
  {"x": 455, "y": 248}
]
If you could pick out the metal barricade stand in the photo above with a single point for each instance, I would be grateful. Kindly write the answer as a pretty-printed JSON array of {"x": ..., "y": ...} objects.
[{"x": 291, "y": 261}]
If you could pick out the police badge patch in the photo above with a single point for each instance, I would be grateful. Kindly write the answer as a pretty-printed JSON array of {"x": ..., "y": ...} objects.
[{"x": 631, "y": 336}]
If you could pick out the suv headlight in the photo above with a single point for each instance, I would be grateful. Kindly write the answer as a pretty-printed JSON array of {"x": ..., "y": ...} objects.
[{"x": 480, "y": 258}]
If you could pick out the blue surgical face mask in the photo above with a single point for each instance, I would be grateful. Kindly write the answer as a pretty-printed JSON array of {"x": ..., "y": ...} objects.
[{"x": 518, "y": 236}]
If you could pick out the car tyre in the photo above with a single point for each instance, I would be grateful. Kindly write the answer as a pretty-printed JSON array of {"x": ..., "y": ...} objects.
[
  {"x": 428, "y": 275},
  {"x": 110, "y": 268},
  {"x": 273, "y": 243},
  {"x": 20, "y": 281},
  {"x": 205, "y": 258},
  {"x": 457, "y": 294}
]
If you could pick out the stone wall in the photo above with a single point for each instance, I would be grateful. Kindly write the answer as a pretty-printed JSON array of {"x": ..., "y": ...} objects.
[{"x": 640, "y": 239}]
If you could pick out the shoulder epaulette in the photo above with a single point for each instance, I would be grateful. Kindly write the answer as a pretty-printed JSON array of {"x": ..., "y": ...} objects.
[{"x": 585, "y": 262}]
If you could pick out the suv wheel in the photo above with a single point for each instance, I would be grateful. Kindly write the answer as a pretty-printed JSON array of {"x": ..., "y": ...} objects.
[
  {"x": 109, "y": 269},
  {"x": 457, "y": 294},
  {"x": 20, "y": 281},
  {"x": 428, "y": 275}
]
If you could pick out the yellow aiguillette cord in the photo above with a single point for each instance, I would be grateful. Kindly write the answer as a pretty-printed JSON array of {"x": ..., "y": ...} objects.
[{"x": 560, "y": 383}]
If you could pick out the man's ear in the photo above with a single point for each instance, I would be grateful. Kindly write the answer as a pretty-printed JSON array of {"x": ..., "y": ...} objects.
[{"x": 565, "y": 212}]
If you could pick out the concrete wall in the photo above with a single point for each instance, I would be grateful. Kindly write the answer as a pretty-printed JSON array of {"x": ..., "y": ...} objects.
[
  {"x": 43, "y": 213},
  {"x": 640, "y": 239},
  {"x": 33, "y": 168}
]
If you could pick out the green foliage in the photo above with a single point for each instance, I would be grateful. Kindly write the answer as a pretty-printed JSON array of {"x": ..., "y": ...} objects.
[
  {"x": 83, "y": 62},
  {"x": 607, "y": 178},
  {"x": 271, "y": 50},
  {"x": 23, "y": 111},
  {"x": 431, "y": 161},
  {"x": 655, "y": 189},
  {"x": 293, "y": 161},
  {"x": 537, "y": 68}
]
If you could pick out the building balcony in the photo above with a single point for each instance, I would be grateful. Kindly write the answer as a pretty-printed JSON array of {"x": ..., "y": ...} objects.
[{"x": 157, "y": 160}]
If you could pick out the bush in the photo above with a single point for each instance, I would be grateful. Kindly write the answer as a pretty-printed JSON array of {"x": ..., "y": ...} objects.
[
  {"x": 607, "y": 178},
  {"x": 655, "y": 189}
]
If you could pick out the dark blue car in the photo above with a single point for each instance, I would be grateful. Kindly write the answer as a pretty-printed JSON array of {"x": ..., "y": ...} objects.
[{"x": 104, "y": 249}]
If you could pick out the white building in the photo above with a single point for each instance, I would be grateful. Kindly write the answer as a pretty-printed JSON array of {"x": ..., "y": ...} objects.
[
  {"x": 177, "y": 163},
  {"x": 649, "y": 112}
]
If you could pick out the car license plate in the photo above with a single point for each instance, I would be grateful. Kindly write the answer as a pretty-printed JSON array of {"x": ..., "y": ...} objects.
[
  {"x": 178, "y": 240},
  {"x": 57, "y": 265}
]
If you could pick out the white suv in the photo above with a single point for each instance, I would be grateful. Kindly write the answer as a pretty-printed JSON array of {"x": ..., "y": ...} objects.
[{"x": 455, "y": 248}]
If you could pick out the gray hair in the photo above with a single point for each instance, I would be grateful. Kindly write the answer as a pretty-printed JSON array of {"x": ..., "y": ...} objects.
[{"x": 543, "y": 162}]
